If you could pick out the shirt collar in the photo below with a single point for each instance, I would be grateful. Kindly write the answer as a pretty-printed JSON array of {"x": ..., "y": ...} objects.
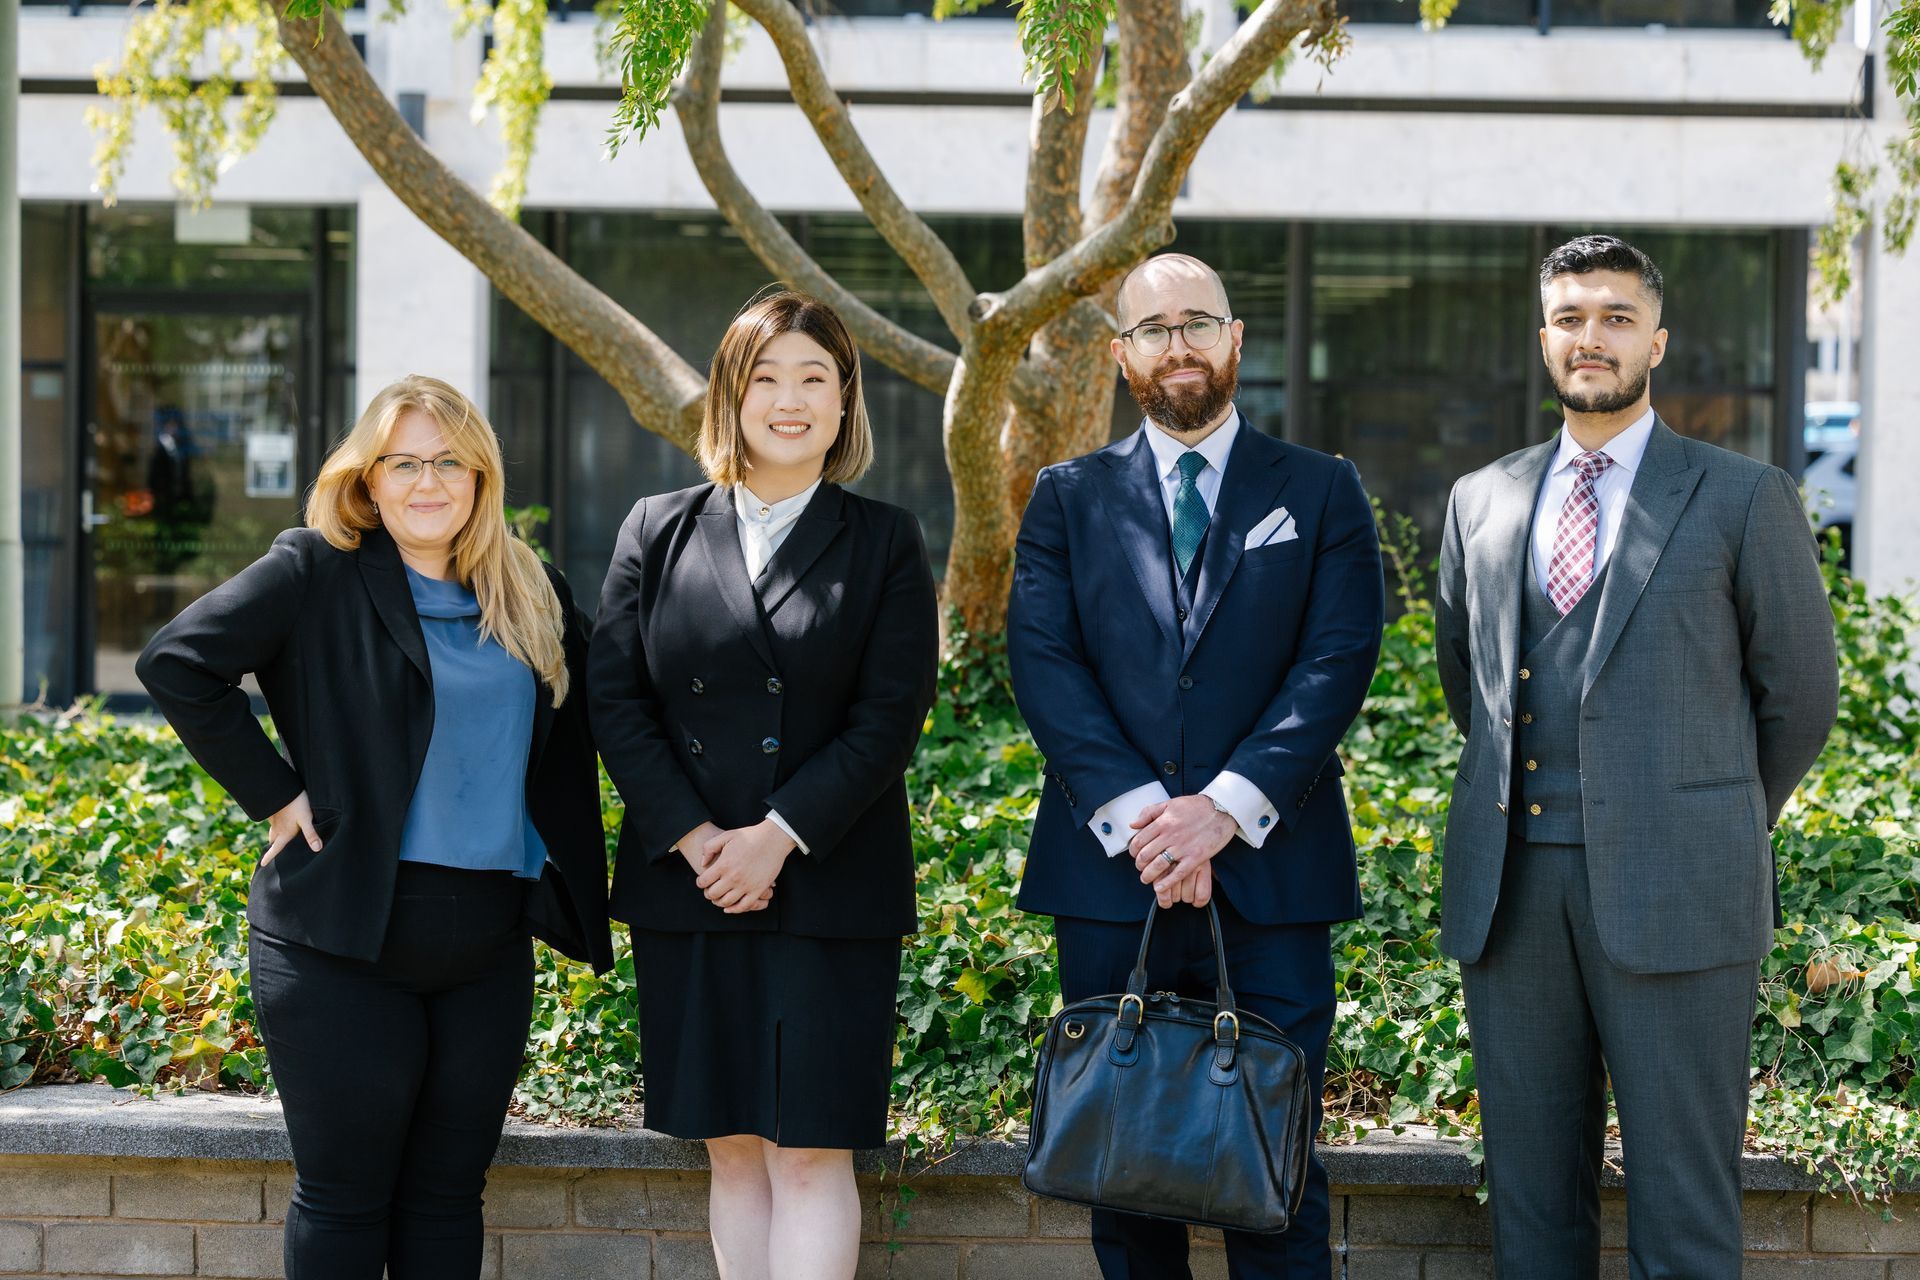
[
  {"x": 750, "y": 508},
  {"x": 1626, "y": 449},
  {"x": 1167, "y": 450}
]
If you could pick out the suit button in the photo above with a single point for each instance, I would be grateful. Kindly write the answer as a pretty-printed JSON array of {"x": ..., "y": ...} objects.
[
  {"x": 769, "y": 745},
  {"x": 1534, "y": 810},
  {"x": 1527, "y": 718},
  {"x": 1106, "y": 828},
  {"x": 694, "y": 748},
  {"x": 774, "y": 685},
  {"x": 1169, "y": 768},
  {"x": 1525, "y": 674},
  {"x": 1532, "y": 765},
  {"x": 1180, "y": 614},
  {"x": 1501, "y": 807},
  {"x": 1186, "y": 682},
  {"x": 697, "y": 686}
]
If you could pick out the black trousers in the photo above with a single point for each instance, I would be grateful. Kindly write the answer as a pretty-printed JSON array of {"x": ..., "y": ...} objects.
[
  {"x": 395, "y": 1076},
  {"x": 1283, "y": 973}
]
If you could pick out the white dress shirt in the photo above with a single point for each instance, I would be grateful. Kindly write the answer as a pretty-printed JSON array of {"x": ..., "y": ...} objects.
[
  {"x": 1626, "y": 450},
  {"x": 1244, "y": 802},
  {"x": 763, "y": 527}
]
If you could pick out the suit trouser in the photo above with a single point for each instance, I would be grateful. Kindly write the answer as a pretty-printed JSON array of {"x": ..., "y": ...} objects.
[
  {"x": 1551, "y": 1019},
  {"x": 1283, "y": 973},
  {"x": 395, "y": 1076}
]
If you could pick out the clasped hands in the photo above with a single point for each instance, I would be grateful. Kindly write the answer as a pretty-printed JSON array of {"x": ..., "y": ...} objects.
[
  {"x": 736, "y": 869},
  {"x": 1192, "y": 831}
]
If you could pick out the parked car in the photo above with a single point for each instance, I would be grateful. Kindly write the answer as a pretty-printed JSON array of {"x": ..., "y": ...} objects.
[{"x": 1829, "y": 485}]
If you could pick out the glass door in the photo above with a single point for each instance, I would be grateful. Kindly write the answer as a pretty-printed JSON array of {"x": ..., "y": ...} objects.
[{"x": 191, "y": 469}]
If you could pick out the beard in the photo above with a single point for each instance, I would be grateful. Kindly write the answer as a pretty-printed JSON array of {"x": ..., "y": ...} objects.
[
  {"x": 1184, "y": 409},
  {"x": 1624, "y": 396}
]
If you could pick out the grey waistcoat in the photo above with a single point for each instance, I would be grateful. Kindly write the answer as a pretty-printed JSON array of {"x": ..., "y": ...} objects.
[{"x": 1546, "y": 766}]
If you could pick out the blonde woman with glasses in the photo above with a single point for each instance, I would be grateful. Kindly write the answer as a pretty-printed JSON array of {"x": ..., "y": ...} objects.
[{"x": 437, "y": 802}]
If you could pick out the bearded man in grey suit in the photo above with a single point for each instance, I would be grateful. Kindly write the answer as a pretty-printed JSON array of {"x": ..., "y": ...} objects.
[{"x": 1634, "y": 637}]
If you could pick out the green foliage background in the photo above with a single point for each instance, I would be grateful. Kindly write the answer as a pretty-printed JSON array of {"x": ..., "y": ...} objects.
[{"x": 126, "y": 869}]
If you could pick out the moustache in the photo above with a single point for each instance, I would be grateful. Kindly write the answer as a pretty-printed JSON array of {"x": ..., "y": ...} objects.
[
  {"x": 1190, "y": 363},
  {"x": 1613, "y": 366}
]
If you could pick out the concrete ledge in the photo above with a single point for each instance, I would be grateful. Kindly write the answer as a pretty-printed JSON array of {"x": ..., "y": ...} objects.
[
  {"x": 95, "y": 1120},
  {"x": 98, "y": 1182}
]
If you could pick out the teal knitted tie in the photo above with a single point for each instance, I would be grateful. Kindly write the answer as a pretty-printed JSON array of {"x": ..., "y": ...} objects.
[{"x": 1189, "y": 512}]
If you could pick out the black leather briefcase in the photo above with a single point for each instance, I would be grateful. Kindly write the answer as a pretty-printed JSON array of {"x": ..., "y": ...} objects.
[{"x": 1170, "y": 1107}]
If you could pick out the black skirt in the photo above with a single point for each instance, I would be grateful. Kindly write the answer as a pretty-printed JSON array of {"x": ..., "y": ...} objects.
[{"x": 767, "y": 1033}]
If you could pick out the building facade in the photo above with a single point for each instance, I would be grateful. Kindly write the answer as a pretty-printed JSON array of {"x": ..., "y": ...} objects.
[{"x": 1379, "y": 227}]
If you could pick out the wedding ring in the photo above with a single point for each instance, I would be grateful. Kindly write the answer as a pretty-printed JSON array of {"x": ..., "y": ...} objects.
[{"x": 1171, "y": 860}]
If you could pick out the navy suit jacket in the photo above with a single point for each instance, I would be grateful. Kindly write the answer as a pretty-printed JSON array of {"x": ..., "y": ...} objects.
[{"x": 1263, "y": 678}]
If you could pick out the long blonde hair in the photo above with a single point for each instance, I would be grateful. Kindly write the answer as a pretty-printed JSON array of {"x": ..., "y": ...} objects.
[{"x": 518, "y": 606}]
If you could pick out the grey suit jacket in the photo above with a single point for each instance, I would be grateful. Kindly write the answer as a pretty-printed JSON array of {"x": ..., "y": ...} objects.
[{"x": 1709, "y": 690}]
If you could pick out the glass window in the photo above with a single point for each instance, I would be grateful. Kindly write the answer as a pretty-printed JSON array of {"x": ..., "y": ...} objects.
[
  {"x": 131, "y": 246},
  {"x": 46, "y": 406},
  {"x": 1421, "y": 338},
  {"x": 1473, "y": 13},
  {"x": 1751, "y": 14},
  {"x": 898, "y": 9}
]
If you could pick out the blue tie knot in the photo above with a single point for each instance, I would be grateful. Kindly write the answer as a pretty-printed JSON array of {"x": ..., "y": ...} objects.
[{"x": 1192, "y": 463}]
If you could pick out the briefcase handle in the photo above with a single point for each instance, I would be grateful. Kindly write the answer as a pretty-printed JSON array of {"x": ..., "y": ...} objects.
[{"x": 1224, "y": 1005}]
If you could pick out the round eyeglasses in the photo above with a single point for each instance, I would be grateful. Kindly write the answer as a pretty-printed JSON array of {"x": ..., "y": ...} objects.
[
  {"x": 1202, "y": 333},
  {"x": 407, "y": 469}
]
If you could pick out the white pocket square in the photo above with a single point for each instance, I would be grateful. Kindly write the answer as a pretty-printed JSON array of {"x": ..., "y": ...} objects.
[{"x": 1277, "y": 527}]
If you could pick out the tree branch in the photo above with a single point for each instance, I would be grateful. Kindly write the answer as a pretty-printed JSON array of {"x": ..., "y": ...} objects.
[
  {"x": 663, "y": 392},
  {"x": 1057, "y": 147},
  {"x": 924, "y": 252},
  {"x": 1153, "y": 67},
  {"x": 696, "y": 100},
  {"x": 1145, "y": 223}
]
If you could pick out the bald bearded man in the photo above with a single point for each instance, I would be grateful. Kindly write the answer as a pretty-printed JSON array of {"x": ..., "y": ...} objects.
[{"x": 1195, "y": 617}]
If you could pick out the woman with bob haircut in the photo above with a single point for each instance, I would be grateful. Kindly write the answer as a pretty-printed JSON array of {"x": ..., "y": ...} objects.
[
  {"x": 438, "y": 801},
  {"x": 762, "y": 665}
]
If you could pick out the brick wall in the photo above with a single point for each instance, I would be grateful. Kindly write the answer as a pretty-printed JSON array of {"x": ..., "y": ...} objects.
[{"x": 94, "y": 1216}]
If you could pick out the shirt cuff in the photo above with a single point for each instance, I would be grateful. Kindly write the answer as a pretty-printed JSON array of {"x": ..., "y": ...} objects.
[
  {"x": 792, "y": 835},
  {"x": 1246, "y": 804},
  {"x": 1110, "y": 822}
]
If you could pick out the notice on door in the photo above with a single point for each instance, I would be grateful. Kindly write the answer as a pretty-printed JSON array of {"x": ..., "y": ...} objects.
[{"x": 270, "y": 464}]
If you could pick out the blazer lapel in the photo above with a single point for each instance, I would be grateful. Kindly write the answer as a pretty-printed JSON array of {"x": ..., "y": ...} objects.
[
  {"x": 542, "y": 724},
  {"x": 1249, "y": 488},
  {"x": 386, "y": 577},
  {"x": 719, "y": 541},
  {"x": 1139, "y": 515},
  {"x": 1503, "y": 545},
  {"x": 817, "y": 526},
  {"x": 1661, "y": 489}
]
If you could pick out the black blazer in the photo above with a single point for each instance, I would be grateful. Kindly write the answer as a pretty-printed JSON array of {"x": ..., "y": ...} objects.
[
  {"x": 334, "y": 640},
  {"x": 714, "y": 702}
]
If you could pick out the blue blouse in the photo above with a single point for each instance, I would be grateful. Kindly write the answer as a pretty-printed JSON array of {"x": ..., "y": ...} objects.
[{"x": 469, "y": 808}]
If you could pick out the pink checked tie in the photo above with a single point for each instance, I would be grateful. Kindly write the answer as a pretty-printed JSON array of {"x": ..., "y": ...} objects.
[{"x": 1577, "y": 541}]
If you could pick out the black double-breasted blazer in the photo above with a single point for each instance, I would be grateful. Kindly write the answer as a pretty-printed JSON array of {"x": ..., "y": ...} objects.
[
  {"x": 333, "y": 638},
  {"x": 716, "y": 701}
]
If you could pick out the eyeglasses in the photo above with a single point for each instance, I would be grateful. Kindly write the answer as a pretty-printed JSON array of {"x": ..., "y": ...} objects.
[
  {"x": 407, "y": 469},
  {"x": 1202, "y": 333}
]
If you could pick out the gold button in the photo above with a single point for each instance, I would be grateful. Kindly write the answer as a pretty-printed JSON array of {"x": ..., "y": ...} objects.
[
  {"x": 1532, "y": 765},
  {"x": 1534, "y": 810},
  {"x": 1525, "y": 674},
  {"x": 1527, "y": 718}
]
